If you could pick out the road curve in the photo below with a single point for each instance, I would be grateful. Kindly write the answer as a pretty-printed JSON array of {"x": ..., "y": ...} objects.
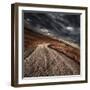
[{"x": 45, "y": 61}]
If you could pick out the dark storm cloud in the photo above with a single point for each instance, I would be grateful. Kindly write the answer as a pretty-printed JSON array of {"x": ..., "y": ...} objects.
[{"x": 59, "y": 25}]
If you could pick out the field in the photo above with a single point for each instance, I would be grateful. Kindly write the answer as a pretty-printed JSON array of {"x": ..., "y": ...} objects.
[{"x": 47, "y": 56}]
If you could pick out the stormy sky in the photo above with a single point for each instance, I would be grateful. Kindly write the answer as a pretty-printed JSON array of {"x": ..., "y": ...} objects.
[{"x": 59, "y": 25}]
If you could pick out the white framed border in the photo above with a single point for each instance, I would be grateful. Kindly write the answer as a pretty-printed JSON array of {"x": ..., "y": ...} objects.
[{"x": 33, "y": 80}]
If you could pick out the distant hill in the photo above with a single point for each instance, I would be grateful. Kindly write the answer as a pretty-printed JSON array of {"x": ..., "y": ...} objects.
[{"x": 33, "y": 39}]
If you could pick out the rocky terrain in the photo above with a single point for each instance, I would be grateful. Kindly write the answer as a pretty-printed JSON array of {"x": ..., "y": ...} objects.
[
  {"x": 45, "y": 56},
  {"x": 51, "y": 49}
]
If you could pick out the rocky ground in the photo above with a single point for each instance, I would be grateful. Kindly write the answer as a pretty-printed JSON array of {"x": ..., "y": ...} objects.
[
  {"x": 45, "y": 61},
  {"x": 45, "y": 56}
]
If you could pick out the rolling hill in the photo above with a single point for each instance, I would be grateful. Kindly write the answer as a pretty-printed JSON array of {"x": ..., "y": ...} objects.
[{"x": 56, "y": 58}]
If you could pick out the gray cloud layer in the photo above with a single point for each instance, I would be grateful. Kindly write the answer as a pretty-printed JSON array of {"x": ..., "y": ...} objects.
[{"x": 59, "y": 25}]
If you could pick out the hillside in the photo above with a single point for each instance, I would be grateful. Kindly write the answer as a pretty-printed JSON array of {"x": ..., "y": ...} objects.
[
  {"x": 32, "y": 39},
  {"x": 56, "y": 58}
]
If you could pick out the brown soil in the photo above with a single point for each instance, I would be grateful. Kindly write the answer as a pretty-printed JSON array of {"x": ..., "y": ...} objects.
[{"x": 45, "y": 56}]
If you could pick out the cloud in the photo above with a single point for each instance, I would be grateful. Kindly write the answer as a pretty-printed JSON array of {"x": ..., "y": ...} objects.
[{"x": 69, "y": 28}]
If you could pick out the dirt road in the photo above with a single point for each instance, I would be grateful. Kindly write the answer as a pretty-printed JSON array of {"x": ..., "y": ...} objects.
[{"x": 45, "y": 61}]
